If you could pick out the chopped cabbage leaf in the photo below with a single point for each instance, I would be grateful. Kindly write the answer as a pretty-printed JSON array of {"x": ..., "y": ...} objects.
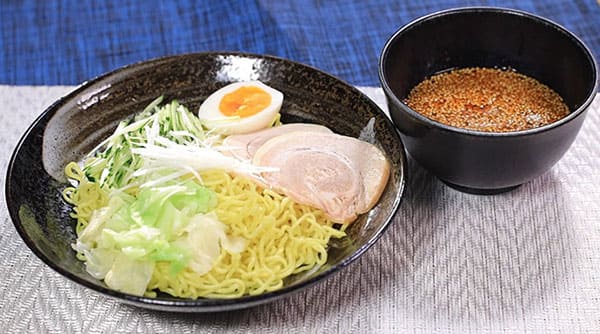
[
  {"x": 206, "y": 235},
  {"x": 156, "y": 211},
  {"x": 129, "y": 276},
  {"x": 124, "y": 240}
]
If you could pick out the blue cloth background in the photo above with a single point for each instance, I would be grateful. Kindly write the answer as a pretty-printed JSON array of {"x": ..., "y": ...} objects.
[{"x": 69, "y": 41}]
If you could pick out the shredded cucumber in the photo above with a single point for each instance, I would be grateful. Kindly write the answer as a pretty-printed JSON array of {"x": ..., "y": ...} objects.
[
  {"x": 156, "y": 211},
  {"x": 113, "y": 163}
]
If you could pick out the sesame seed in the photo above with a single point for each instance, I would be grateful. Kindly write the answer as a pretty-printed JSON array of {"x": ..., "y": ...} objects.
[{"x": 487, "y": 99}]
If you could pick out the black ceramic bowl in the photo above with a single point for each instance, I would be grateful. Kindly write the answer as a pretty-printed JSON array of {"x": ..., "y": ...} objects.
[
  {"x": 75, "y": 124},
  {"x": 484, "y": 162}
]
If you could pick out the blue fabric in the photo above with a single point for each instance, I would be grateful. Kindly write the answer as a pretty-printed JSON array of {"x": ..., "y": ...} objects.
[{"x": 69, "y": 41}]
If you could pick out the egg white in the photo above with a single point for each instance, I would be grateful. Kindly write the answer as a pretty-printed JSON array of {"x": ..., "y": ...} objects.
[{"x": 212, "y": 118}]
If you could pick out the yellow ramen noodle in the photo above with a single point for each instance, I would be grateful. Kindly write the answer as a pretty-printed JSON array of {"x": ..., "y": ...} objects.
[
  {"x": 284, "y": 238},
  {"x": 85, "y": 198}
]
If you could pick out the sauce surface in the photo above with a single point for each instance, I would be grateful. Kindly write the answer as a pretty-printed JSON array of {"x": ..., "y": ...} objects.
[{"x": 487, "y": 99}]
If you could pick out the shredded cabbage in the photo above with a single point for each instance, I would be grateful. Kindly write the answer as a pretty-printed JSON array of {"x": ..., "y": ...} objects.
[
  {"x": 148, "y": 218},
  {"x": 154, "y": 213},
  {"x": 124, "y": 239}
]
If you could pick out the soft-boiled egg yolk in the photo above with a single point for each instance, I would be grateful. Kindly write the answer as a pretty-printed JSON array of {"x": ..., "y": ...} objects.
[
  {"x": 244, "y": 101},
  {"x": 241, "y": 107}
]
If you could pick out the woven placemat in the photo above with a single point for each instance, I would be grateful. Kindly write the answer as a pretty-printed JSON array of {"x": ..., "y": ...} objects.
[{"x": 523, "y": 261}]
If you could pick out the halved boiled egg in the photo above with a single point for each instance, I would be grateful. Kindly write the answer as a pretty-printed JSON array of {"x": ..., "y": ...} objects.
[{"x": 241, "y": 107}]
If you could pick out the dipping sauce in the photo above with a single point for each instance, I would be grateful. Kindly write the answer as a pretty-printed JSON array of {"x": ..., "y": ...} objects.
[{"x": 487, "y": 99}]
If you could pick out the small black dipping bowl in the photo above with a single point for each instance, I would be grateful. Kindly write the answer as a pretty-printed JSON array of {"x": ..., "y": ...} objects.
[{"x": 487, "y": 162}]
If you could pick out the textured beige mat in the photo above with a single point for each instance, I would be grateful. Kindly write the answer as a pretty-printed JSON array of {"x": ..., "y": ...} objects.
[{"x": 524, "y": 261}]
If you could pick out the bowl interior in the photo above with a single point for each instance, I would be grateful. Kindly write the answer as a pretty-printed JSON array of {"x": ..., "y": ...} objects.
[
  {"x": 74, "y": 125},
  {"x": 489, "y": 37}
]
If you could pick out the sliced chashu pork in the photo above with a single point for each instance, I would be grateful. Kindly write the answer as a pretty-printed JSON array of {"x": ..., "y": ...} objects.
[
  {"x": 244, "y": 146},
  {"x": 341, "y": 175}
]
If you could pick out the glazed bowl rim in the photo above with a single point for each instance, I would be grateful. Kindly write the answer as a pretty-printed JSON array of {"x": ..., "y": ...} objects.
[{"x": 468, "y": 132}]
